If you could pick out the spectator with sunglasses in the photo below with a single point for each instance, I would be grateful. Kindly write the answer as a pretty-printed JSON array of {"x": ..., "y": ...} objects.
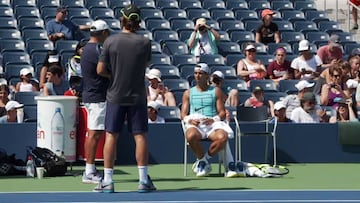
[
  {"x": 334, "y": 89},
  {"x": 61, "y": 27},
  {"x": 344, "y": 112},
  {"x": 203, "y": 40}
]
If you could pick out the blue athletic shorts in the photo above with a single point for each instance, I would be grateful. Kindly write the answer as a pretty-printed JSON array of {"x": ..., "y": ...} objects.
[{"x": 136, "y": 117}]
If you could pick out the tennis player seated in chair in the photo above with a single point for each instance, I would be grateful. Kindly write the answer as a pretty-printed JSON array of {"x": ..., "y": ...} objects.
[{"x": 203, "y": 113}]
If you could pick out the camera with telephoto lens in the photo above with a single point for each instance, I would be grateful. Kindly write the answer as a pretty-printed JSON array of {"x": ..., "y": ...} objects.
[{"x": 202, "y": 28}]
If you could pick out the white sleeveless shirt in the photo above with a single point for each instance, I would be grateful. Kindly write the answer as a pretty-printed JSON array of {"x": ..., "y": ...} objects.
[{"x": 152, "y": 94}]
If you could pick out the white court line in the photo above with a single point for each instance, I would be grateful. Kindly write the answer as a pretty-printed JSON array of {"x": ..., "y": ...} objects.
[{"x": 231, "y": 201}]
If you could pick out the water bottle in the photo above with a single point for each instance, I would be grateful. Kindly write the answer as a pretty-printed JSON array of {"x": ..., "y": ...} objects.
[
  {"x": 57, "y": 132},
  {"x": 30, "y": 167}
]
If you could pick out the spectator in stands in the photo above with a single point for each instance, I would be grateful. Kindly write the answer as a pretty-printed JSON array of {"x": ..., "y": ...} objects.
[
  {"x": 257, "y": 100},
  {"x": 334, "y": 89},
  {"x": 280, "y": 112},
  {"x": 354, "y": 62},
  {"x": 56, "y": 85},
  {"x": 231, "y": 96},
  {"x": 268, "y": 31},
  {"x": 350, "y": 92},
  {"x": 203, "y": 112},
  {"x": 4, "y": 98},
  {"x": 354, "y": 13},
  {"x": 26, "y": 84},
  {"x": 306, "y": 66},
  {"x": 11, "y": 112},
  {"x": 73, "y": 65},
  {"x": 344, "y": 112},
  {"x": 203, "y": 40},
  {"x": 280, "y": 68},
  {"x": 250, "y": 68},
  {"x": 61, "y": 27},
  {"x": 331, "y": 54},
  {"x": 292, "y": 101},
  {"x": 153, "y": 109},
  {"x": 156, "y": 91},
  {"x": 309, "y": 111},
  {"x": 51, "y": 58}
]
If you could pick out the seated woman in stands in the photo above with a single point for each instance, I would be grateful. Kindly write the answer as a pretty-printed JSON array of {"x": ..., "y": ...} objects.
[
  {"x": 280, "y": 68},
  {"x": 250, "y": 68},
  {"x": 334, "y": 89},
  {"x": 156, "y": 91},
  {"x": 344, "y": 112},
  {"x": 27, "y": 84},
  {"x": 4, "y": 98}
]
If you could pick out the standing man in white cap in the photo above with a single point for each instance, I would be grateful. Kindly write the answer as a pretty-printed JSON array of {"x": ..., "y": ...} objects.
[
  {"x": 203, "y": 112},
  {"x": 11, "y": 112},
  {"x": 203, "y": 40},
  {"x": 292, "y": 101},
  {"x": 94, "y": 97},
  {"x": 123, "y": 60}
]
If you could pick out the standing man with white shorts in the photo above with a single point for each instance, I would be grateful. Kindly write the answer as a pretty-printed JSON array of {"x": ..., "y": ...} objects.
[{"x": 94, "y": 96}]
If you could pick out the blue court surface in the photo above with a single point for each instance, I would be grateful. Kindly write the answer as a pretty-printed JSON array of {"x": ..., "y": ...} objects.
[{"x": 206, "y": 196}]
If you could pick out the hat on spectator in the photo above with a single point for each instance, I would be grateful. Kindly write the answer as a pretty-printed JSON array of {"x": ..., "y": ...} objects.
[
  {"x": 25, "y": 71},
  {"x": 61, "y": 9},
  {"x": 155, "y": 105},
  {"x": 249, "y": 47},
  {"x": 3, "y": 81},
  {"x": 302, "y": 84},
  {"x": 131, "y": 12},
  {"x": 53, "y": 58},
  {"x": 218, "y": 74},
  {"x": 266, "y": 12},
  {"x": 279, "y": 105},
  {"x": 308, "y": 96},
  {"x": 154, "y": 74},
  {"x": 201, "y": 22},
  {"x": 335, "y": 40},
  {"x": 351, "y": 83},
  {"x": 98, "y": 25},
  {"x": 355, "y": 51},
  {"x": 203, "y": 67},
  {"x": 13, "y": 105},
  {"x": 304, "y": 45},
  {"x": 257, "y": 89}
]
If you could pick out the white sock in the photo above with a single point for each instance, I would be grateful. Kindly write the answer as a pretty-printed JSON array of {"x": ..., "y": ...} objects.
[
  {"x": 229, "y": 157},
  {"x": 143, "y": 172},
  {"x": 108, "y": 175},
  {"x": 207, "y": 156},
  {"x": 90, "y": 168}
]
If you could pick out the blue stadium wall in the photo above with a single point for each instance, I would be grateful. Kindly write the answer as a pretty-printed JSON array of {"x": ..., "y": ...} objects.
[{"x": 297, "y": 143}]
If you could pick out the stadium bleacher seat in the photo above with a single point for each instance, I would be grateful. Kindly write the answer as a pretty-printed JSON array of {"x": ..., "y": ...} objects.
[
  {"x": 213, "y": 4},
  {"x": 164, "y": 4},
  {"x": 259, "y": 5},
  {"x": 184, "y": 34},
  {"x": 6, "y": 11},
  {"x": 155, "y": 47},
  {"x": 195, "y": 13},
  {"x": 265, "y": 59},
  {"x": 73, "y": 3},
  {"x": 317, "y": 37},
  {"x": 233, "y": 59},
  {"x": 267, "y": 85},
  {"x": 226, "y": 48},
  {"x": 26, "y": 98},
  {"x": 328, "y": 25},
  {"x": 181, "y": 24},
  {"x": 292, "y": 37},
  {"x": 288, "y": 86},
  {"x": 228, "y": 71},
  {"x": 147, "y": 13},
  {"x": 10, "y": 34},
  {"x": 252, "y": 25},
  {"x": 8, "y": 23},
  {"x": 305, "y": 26},
  {"x": 101, "y": 13},
  {"x": 304, "y": 5},
  {"x": 187, "y": 71},
  {"x": 243, "y": 96},
  {"x": 160, "y": 59},
  {"x": 316, "y": 16},
  {"x": 232, "y": 25},
  {"x": 30, "y": 113},
  {"x": 237, "y": 5},
  {"x": 212, "y": 59},
  {"x": 175, "y": 47},
  {"x": 31, "y": 23},
  {"x": 8, "y": 45},
  {"x": 39, "y": 45},
  {"x": 183, "y": 59},
  {"x": 222, "y": 14},
  {"x": 96, "y": 4},
  {"x": 13, "y": 70},
  {"x": 66, "y": 45},
  {"x": 174, "y": 13},
  {"x": 157, "y": 24},
  {"x": 293, "y": 15},
  {"x": 114, "y": 24},
  {"x": 237, "y": 84},
  {"x": 26, "y": 11},
  {"x": 168, "y": 72},
  {"x": 274, "y": 96},
  {"x": 48, "y": 13},
  {"x": 165, "y": 35},
  {"x": 23, "y": 3},
  {"x": 284, "y": 25},
  {"x": 246, "y": 15},
  {"x": 280, "y": 5},
  {"x": 118, "y": 4},
  {"x": 176, "y": 84},
  {"x": 349, "y": 47},
  {"x": 241, "y": 37},
  {"x": 145, "y": 33},
  {"x": 178, "y": 98},
  {"x": 170, "y": 113},
  {"x": 189, "y": 4},
  {"x": 30, "y": 34}
]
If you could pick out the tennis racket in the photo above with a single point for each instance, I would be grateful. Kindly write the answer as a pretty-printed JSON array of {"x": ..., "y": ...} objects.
[{"x": 275, "y": 170}]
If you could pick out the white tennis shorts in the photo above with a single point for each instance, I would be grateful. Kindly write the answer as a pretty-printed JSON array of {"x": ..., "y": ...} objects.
[
  {"x": 206, "y": 130},
  {"x": 96, "y": 115}
]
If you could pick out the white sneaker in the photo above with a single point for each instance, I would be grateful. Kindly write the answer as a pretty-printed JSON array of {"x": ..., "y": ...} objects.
[
  {"x": 195, "y": 166},
  {"x": 231, "y": 174},
  {"x": 240, "y": 169},
  {"x": 204, "y": 168}
]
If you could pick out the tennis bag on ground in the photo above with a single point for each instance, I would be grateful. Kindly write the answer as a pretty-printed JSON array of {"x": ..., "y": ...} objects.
[
  {"x": 53, "y": 164},
  {"x": 263, "y": 170}
]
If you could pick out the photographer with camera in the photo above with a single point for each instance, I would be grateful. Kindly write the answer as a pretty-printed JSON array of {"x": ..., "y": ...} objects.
[
  {"x": 231, "y": 96},
  {"x": 334, "y": 89},
  {"x": 203, "y": 40}
]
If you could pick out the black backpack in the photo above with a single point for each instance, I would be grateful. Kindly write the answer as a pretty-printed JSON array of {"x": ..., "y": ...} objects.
[{"x": 53, "y": 164}]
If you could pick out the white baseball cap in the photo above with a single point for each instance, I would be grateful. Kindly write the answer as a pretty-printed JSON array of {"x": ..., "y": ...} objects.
[
  {"x": 154, "y": 74},
  {"x": 303, "y": 84},
  {"x": 279, "y": 105},
  {"x": 304, "y": 45},
  {"x": 153, "y": 104},
  {"x": 25, "y": 71},
  {"x": 13, "y": 105},
  {"x": 351, "y": 83},
  {"x": 249, "y": 47},
  {"x": 3, "y": 81},
  {"x": 219, "y": 74},
  {"x": 98, "y": 25},
  {"x": 203, "y": 67}
]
